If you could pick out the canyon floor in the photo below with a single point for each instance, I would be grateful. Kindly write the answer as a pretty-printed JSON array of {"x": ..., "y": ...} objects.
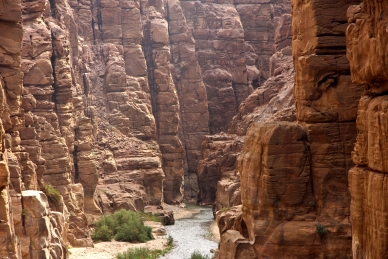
[{"x": 109, "y": 250}]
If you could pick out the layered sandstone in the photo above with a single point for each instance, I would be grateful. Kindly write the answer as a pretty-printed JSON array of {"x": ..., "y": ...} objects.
[
  {"x": 294, "y": 174},
  {"x": 366, "y": 51},
  {"x": 270, "y": 33},
  {"x": 188, "y": 80},
  {"x": 118, "y": 95},
  {"x": 27, "y": 231}
]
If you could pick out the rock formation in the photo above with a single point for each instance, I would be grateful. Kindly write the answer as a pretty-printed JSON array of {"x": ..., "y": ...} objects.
[
  {"x": 366, "y": 51},
  {"x": 118, "y": 104},
  {"x": 294, "y": 189},
  {"x": 217, "y": 171}
]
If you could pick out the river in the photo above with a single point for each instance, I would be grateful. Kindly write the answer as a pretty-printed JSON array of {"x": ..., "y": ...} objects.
[{"x": 192, "y": 234}]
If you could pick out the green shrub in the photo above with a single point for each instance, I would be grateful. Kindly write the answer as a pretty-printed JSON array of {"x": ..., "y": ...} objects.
[
  {"x": 321, "y": 230},
  {"x": 102, "y": 233},
  {"x": 123, "y": 225},
  {"x": 198, "y": 255},
  {"x": 53, "y": 195},
  {"x": 139, "y": 253},
  {"x": 143, "y": 253}
]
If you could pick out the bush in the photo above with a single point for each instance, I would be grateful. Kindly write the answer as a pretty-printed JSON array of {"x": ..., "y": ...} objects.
[
  {"x": 102, "y": 233},
  {"x": 53, "y": 195},
  {"x": 321, "y": 230},
  {"x": 146, "y": 253},
  {"x": 139, "y": 253},
  {"x": 123, "y": 225},
  {"x": 198, "y": 255}
]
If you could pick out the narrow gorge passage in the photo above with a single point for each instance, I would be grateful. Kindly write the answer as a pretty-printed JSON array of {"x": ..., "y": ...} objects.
[{"x": 192, "y": 234}]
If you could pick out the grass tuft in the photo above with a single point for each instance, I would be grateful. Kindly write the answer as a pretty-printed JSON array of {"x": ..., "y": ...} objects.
[
  {"x": 321, "y": 230},
  {"x": 53, "y": 195},
  {"x": 148, "y": 216},
  {"x": 198, "y": 255},
  {"x": 146, "y": 253}
]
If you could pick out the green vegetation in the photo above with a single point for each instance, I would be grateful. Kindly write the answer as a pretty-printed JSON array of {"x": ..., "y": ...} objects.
[
  {"x": 224, "y": 209},
  {"x": 151, "y": 217},
  {"x": 123, "y": 225},
  {"x": 146, "y": 253},
  {"x": 53, "y": 195},
  {"x": 321, "y": 230},
  {"x": 198, "y": 255},
  {"x": 139, "y": 253},
  {"x": 170, "y": 242}
]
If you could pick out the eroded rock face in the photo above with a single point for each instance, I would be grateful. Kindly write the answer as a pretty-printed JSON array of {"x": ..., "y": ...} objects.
[
  {"x": 294, "y": 174},
  {"x": 217, "y": 170},
  {"x": 366, "y": 38},
  {"x": 264, "y": 50},
  {"x": 44, "y": 229}
]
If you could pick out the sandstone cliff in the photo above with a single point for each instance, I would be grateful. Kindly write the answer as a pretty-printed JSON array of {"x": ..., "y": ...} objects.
[
  {"x": 267, "y": 46},
  {"x": 366, "y": 51},
  {"x": 293, "y": 175},
  {"x": 108, "y": 102}
]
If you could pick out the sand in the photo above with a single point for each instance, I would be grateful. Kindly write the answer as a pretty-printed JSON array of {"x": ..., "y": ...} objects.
[{"x": 109, "y": 250}]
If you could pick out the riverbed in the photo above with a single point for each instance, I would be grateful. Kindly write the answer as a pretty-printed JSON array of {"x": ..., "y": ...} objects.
[{"x": 192, "y": 234}]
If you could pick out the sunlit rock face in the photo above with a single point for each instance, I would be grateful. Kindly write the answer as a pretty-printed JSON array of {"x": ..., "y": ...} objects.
[
  {"x": 125, "y": 104},
  {"x": 366, "y": 51}
]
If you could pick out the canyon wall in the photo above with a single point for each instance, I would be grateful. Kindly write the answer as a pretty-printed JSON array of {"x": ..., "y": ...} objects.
[
  {"x": 108, "y": 101},
  {"x": 118, "y": 104},
  {"x": 294, "y": 169},
  {"x": 267, "y": 55},
  {"x": 366, "y": 51}
]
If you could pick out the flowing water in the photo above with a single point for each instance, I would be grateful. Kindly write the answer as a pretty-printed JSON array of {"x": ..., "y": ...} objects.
[{"x": 191, "y": 235}]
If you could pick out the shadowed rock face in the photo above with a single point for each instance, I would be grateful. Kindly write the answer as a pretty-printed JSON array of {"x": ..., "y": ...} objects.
[
  {"x": 294, "y": 175},
  {"x": 266, "y": 48},
  {"x": 366, "y": 51}
]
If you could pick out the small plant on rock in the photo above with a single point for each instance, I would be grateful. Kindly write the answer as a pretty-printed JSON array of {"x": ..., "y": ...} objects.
[
  {"x": 321, "y": 230},
  {"x": 53, "y": 195}
]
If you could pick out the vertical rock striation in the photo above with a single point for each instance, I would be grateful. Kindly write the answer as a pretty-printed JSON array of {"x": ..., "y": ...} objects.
[
  {"x": 187, "y": 76},
  {"x": 294, "y": 188},
  {"x": 366, "y": 51},
  {"x": 256, "y": 38},
  {"x": 165, "y": 101}
]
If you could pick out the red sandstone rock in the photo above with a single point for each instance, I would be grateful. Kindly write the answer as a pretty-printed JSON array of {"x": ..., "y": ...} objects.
[
  {"x": 279, "y": 217},
  {"x": 366, "y": 51}
]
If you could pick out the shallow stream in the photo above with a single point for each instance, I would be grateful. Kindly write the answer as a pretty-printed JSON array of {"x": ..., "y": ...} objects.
[{"x": 192, "y": 234}]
